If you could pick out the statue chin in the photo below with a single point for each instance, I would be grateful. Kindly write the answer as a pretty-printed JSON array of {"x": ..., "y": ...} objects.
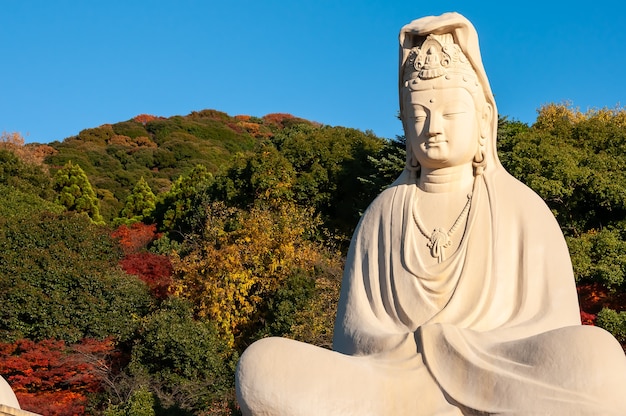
[{"x": 480, "y": 317}]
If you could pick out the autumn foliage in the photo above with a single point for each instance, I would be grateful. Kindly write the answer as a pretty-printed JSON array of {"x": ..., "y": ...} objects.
[
  {"x": 52, "y": 378},
  {"x": 242, "y": 259},
  {"x": 136, "y": 237},
  {"x": 154, "y": 269},
  {"x": 250, "y": 217},
  {"x": 145, "y": 118},
  {"x": 29, "y": 153}
]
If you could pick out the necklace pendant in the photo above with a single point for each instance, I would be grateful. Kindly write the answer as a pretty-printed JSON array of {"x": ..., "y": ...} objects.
[{"x": 437, "y": 243}]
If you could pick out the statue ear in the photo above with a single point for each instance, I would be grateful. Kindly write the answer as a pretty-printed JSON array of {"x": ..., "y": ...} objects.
[{"x": 485, "y": 122}]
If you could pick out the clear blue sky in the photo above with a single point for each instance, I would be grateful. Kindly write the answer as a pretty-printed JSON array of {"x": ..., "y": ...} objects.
[{"x": 70, "y": 65}]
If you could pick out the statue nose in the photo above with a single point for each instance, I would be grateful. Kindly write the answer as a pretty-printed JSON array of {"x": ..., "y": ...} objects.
[
  {"x": 434, "y": 131},
  {"x": 434, "y": 127}
]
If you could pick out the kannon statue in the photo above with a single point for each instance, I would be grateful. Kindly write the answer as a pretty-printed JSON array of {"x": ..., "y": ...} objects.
[{"x": 458, "y": 295}]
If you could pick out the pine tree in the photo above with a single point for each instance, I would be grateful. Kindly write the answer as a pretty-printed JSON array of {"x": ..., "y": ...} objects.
[
  {"x": 139, "y": 204},
  {"x": 75, "y": 192}
]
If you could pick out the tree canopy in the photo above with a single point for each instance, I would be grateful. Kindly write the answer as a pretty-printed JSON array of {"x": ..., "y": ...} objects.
[{"x": 157, "y": 249}]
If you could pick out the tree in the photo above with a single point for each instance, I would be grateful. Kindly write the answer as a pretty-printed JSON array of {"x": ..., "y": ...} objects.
[
  {"x": 16, "y": 203},
  {"x": 135, "y": 238},
  {"x": 75, "y": 192},
  {"x": 60, "y": 279},
  {"x": 22, "y": 176},
  {"x": 154, "y": 269},
  {"x": 139, "y": 204},
  {"x": 140, "y": 403},
  {"x": 181, "y": 360},
  {"x": 174, "y": 209},
  {"x": 575, "y": 162},
  {"x": 53, "y": 378},
  {"x": 240, "y": 261},
  {"x": 386, "y": 166},
  {"x": 328, "y": 162},
  {"x": 264, "y": 177},
  {"x": 614, "y": 322}
]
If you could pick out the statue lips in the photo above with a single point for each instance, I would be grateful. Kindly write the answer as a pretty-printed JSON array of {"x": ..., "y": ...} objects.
[{"x": 435, "y": 143}]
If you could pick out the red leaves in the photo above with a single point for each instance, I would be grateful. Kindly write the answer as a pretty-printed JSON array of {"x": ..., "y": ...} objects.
[
  {"x": 52, "y": 378},
  {"x": 588, "y": 318},
  {"x": 135, "y": 238},
  {"x": 154, "y": 269}
]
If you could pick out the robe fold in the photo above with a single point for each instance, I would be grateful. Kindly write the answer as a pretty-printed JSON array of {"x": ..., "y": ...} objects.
[{"x": 497, "y": 324}]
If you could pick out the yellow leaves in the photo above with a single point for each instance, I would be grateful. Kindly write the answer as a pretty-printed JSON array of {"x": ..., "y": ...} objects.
[
  {"x": 551, "y": 115},
  {"x": 241, "y": 259}
]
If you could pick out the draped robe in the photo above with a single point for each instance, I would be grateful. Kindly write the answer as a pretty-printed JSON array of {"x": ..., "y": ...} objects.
[
  {"x": 497, "y": 323},
  {"x": 492, "y": 330}
]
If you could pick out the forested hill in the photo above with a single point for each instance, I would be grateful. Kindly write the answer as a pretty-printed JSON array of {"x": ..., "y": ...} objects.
[
  {"x": 115, "y": 156},
  {"x": 138, "y": 259}
]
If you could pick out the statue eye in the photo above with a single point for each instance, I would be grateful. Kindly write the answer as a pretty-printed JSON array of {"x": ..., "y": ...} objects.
[
  {"x": 454, "y": 114},
  {"x": 419, "y": 115}
]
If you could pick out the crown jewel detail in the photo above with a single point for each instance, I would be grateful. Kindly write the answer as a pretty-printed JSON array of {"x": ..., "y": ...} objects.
[{"x": 437, "y": 56}]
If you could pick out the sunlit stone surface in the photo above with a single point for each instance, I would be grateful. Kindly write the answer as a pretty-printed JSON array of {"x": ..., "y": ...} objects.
[{"x": 458, "y": 296}]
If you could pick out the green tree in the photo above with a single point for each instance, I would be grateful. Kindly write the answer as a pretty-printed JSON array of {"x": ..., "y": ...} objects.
[
  {"x": 25, "y": 177},
  {"x": 60, "y": 280},
  {"x": 16, "y": 203},
  {"x": 75, "y": 192},
  {"x": 140, "y": 403},
  {"x": 176, "y": 211},
  {"x": 614, "y": 322},
  {"x": 181, "y": 359},
  {"x": 576, "y": 161},
  {"x": 385, "y": 167},
  {"x": 139, "y": 204},
  {"x": 328, "y": 164},
  {"x": 264, "y": 177}
]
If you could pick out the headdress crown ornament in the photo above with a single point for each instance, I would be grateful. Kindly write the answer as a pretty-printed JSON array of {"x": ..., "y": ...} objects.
[{"x": 438, "y": 56}]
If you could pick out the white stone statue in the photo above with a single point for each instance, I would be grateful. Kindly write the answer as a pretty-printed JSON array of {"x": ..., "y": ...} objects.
[
  {"x": 458, "y": 295},
  {"x": 7, "y": 397}
]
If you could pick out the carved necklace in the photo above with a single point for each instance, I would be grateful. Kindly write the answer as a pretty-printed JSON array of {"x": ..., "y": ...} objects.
[{"x": 439, "y": 239}]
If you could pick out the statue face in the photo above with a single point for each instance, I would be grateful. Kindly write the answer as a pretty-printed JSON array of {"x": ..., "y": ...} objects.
[{"x": 442, "y": 126}]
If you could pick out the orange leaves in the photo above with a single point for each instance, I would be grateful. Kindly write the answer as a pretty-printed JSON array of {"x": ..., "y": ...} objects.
[
  {"x": 145, "y": 118},
  {"x": 33, "y": 153},
  {"x": 277, "y": 119},
  {"x": 11, "y": 140},
  {"x": 588, "y": 318},
  {"x": 52, "y": 378},
  {"x": 154, "y": 269},
  {"x": 135, "y": 238}
]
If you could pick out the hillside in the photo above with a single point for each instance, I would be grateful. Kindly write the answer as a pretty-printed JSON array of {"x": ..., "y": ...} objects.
[
  {"x": 115, "y": 156},
  {"x": 218, "y": 230}
]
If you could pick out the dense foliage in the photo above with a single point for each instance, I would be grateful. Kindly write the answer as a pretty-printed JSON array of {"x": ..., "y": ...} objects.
[
  {"x": 75, "y": 192},
  {"x": 60, "y": 280},
  {"x": 218, "y": 230}
]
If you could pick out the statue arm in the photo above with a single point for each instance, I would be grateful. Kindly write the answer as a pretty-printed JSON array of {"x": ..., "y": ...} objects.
[{"x": 366, "y": 323}]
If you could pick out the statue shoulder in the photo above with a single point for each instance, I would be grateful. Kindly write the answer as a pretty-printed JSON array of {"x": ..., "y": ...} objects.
[
  {"x": 520, "y": 201},
  {"x": 386, "y": 200}
]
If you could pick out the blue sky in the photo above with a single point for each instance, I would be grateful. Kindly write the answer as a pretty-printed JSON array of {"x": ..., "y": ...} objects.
[{"x": 70, "y": 65}]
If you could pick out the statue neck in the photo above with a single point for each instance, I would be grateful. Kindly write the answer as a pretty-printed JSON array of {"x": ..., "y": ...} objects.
[{"x": 449, "y": 179}]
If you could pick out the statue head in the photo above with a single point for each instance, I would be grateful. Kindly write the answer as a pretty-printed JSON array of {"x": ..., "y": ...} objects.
[{"x": 442, "y": 81}]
